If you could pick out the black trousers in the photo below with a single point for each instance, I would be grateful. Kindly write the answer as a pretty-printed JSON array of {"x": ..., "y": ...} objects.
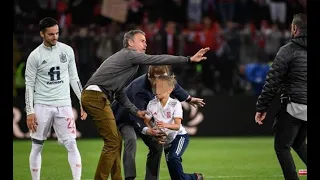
[
  {"x": 153, "y": 157},
  {"x": 129, "y": 153},
  {"x": 289, "y": 132}
]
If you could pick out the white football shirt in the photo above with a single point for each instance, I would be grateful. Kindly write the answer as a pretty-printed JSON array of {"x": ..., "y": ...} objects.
[
  {"x": 49, "y": 73},
  {"x": 171, "y": 110}
]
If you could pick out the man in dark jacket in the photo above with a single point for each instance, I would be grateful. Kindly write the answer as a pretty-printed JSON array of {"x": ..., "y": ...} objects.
[
  {"x": 140, "y": 92},
  {"x": 289, "y": 74}
]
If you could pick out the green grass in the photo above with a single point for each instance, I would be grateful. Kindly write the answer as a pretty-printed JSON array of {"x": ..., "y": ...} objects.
[{"x": 217, "y": 158}]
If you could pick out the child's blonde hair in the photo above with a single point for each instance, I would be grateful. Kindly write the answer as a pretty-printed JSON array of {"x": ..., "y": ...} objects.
[{"x": 170, "y": 79}]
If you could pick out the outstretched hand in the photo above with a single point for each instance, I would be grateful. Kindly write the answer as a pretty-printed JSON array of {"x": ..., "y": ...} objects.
[
  {"x": 199, "y": 55},
  {"x": 196, "y": 102}
]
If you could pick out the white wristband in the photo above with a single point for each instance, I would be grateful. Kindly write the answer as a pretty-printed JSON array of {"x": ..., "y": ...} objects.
[
  {"x": 180, "y": 129},
  {"x": 144, "y": 130}
]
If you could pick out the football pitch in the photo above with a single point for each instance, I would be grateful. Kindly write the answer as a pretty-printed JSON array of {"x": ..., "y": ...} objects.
[{"x": 234, "y": 158}]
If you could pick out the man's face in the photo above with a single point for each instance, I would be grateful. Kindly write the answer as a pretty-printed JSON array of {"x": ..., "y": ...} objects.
[
  {"x": 139, "y": 43},
  {"x": 50, "y": 35},
  {"x": 162, "y": 89}
]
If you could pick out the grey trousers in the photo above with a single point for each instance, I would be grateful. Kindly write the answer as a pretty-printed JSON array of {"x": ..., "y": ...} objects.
[{"x": 129, "y": 153}]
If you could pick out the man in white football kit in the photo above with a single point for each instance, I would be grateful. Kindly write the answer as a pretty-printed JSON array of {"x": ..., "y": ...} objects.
[
  {"x": 166, "y": 113},
  {"x": 50, "y": 70}
]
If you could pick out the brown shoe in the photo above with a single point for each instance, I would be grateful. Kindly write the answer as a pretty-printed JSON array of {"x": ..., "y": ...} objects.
[{"x": 199, "y": 176}]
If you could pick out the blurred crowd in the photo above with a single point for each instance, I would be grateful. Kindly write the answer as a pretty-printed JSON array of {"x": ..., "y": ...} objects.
[{"x": 243, "y": 35}]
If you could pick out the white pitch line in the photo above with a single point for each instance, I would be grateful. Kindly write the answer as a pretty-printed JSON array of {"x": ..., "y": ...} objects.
[{"x": 221, "y": 177}]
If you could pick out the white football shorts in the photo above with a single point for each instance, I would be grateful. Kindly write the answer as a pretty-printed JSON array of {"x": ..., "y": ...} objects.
[{"x": 60, "y": 118}]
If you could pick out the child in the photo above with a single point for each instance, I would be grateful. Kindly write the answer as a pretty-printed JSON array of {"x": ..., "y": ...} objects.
[{"x": 167, "y": 115}]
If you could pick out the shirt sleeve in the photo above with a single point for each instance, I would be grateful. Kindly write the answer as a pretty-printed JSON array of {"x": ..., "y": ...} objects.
[
  {"x": 73, "y": 75},
  {"x": 30, "y": 79},
  {"x": 123, "y": 99},
  {"x": 149, "y": 115},
  {"x": 140, "y": 100},
  {"x": 178, "y": 112},
  {"x": 179, "y": 93},
  {"x": 142, "y": 58},
  {"x": 274, "y": 79}
]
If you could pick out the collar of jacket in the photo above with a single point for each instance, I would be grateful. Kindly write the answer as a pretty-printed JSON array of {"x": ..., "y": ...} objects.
[{"x": 148, "y": 83}]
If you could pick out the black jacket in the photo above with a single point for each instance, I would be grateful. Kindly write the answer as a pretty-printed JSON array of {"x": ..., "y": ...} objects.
[
  {"x": 287, "y": 73},
  {"x": 139, "y": 92}
]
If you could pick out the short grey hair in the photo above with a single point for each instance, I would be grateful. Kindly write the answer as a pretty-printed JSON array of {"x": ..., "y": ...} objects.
[
  {"x": 300, "y": 20},
  {"x": 129, "y": 35}
]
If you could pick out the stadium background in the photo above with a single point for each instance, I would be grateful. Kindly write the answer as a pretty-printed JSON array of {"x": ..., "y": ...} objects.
[{"x": 244, "y": 36}]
